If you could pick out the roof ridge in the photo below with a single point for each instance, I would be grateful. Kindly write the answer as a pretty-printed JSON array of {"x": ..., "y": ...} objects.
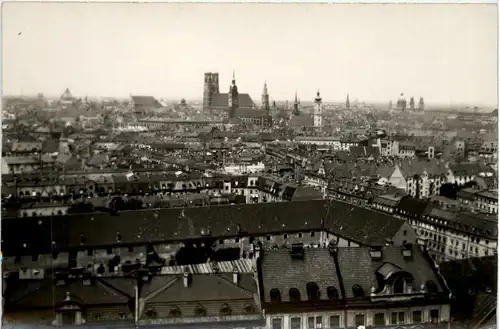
[{"x": 231, "y": 283}]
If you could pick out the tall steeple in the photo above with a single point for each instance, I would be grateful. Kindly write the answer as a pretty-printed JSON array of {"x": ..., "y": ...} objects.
[
  {"x": 347, "y": 102},
  {"x": 296, "y": 110},
  {"x": 233, "y": 98},
  {"x": 265, "y": 99},
  {"x": 318, "y": 111}
]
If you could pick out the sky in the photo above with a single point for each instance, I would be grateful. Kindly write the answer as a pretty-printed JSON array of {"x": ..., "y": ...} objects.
[{"x": 446, "y": 53}]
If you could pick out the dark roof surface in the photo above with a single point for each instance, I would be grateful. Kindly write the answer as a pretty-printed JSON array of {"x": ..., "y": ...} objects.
[
  {"x": 222, "y": 100},
  {"x": 357, "y": 267},
  {"x": 280, "y": 271}
]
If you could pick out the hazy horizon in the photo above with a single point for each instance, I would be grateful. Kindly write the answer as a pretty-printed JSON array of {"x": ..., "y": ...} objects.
[{"x": 446, "y": 53}]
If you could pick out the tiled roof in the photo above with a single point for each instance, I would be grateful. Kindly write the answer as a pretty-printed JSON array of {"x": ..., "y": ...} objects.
[
  {"x": 301, "y": 120},
  {"x": 280, "y": 271},
  {"x": 248, "y": 112},
  {"x": 222, "y": 100},
  {"x": 357, "y": 267},
  {"x": 145, "y": 101},
  {"x": 360, "y": 224},
  {"x": 243, "y": 266}
]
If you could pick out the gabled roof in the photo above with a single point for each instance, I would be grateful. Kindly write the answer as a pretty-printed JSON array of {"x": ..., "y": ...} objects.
[
  {"x": 222, "y": 100},
  {"x": 145, "y": 101}
]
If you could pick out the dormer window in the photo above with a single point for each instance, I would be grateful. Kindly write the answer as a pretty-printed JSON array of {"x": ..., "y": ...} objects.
[
  {"x": 312, "y": 291},
  {"x": 357, "y": 291},
  {"x": 332, "y": 293},
  {"x": 174, "y": 313},
  {"x": 294, "y": 295},
  {"x": 225, "y": 310},
  {"x": 275, "y": 295},
  {"x": 151, "y": 313},
  {"x": 200, "y": 311}
]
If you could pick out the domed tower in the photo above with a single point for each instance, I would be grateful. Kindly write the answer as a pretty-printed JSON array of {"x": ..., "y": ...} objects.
[
  {"x": 318, "y": 111},
  {"x": 233, "y": 98},
  {"x": 421, "y": 105}
]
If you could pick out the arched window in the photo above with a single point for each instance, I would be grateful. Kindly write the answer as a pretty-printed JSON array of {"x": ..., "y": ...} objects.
[
  {"x": 357, "y": 291},
  {"x": 225, "y": 310},
  {"x": 174, "y": 313},
  {"x": 150, "y": 313},
  {"x": 249, "y": 308},
  {"x": 200, "y": 311},
  {"x": 294, "y": 295},
  {"x": 399, "y": 285},
  {"x": 275, "y": 295},
  {"x": 312, "y": 291},
  {"x": 332, "y": 292}
]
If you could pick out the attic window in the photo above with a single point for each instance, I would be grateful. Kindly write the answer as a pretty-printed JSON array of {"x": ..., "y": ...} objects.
[
  {"x": 357, "y": 291},
  {"x": 200, "y": 311},
  {"x": 275, "y": 295},
  {"x": 312, "y": 291},
  {"x": 431, "y": 287},
  {"x": 150, "y": 313},
  {"x": 225, "y": 310},
  {"x": 174, "y": 313},
  {"x": 332, "y": 293},
  {"x": 294, "y": 295},
  {"x": 249, "y": 308}
]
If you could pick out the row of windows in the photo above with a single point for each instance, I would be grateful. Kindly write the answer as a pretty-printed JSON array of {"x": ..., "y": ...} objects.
[
  {"x": 200, "y": 311},
  {"x": 334, "y": 321}
]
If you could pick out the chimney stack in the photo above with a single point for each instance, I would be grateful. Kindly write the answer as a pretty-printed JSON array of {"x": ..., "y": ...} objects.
[
  {"x": 186, "y": 278},
  {"x": 235, "y": 275}
]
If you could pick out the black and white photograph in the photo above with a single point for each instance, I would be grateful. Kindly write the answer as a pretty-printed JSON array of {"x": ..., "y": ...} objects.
[{"x": 249, "y": 165}]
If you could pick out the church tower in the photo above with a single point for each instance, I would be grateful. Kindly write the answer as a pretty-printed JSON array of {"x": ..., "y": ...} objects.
[
  {"x": 318, "y": 111},
  {"x": 412, "y": 104},
  {"x": 214, "y": 83},
  {"x": 421, "y": 105},
  {"x": 207, "y": 91},
  {"x": 296, "y": 106},
  {"x": 233, "y": 98},
  {"x": 347, "y": 103},
  {"x": 265, "y": 100}
]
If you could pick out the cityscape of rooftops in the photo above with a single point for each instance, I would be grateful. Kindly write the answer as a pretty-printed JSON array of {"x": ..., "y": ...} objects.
[{"x": 307, "y": 167}]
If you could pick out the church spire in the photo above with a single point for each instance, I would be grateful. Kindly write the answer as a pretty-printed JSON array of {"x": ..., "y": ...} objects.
[
  {"x": 234, "y": 79},
  {"x": 347, "y": 102}
]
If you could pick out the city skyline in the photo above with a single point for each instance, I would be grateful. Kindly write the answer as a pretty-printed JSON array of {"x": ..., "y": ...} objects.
[{"x": 335, "y": 48}]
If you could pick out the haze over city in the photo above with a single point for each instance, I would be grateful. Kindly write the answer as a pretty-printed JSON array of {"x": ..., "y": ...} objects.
[{"x": 372, "y": 52}]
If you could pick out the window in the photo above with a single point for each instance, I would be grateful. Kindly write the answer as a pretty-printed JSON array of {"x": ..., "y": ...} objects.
[
  {"x": 404, "y": 232},
  {"x": 174, "y": 313},
  {"x": 275, "y": 295},
  {"x": 122, "y": 316},
  {"x": 151, "y": 314},
  {"x": 334, "y": 321},
  {"x": 434, "y": 314},
  {"x": 225, "y": 310},
  {"x": 312, "y": 234},
  {"x": 359, "y": 320},
  {"x": 417, "y": 316},
  {"x": 357, "y": 291},
  {"x": 285, "y": 236},
  {"x": 268, "y": 237},
  {"x": 295, "y": 323},
  {"x": 312, "y": 291},
  {"x": 394, "y": 318},
  {"x": 200, "y": 311},
  {"x": 311, "y": 322},
  {"x": 379, "y": 319},
  {"x": 277, "y": 323},
  {"x": 294, "y": 295},
  {"x": 399, "y": 285},
  {"x": 332, "y": 292},
  {"x": 300, "y": 235}
]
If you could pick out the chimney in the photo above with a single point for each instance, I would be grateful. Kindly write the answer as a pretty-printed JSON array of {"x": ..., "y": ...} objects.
[
  {"x": 235, "y": 275},
  {"x": 332, "y": 247},
  {"x": 186, "y": 278},
  {"x": 389, "y": 242}
]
